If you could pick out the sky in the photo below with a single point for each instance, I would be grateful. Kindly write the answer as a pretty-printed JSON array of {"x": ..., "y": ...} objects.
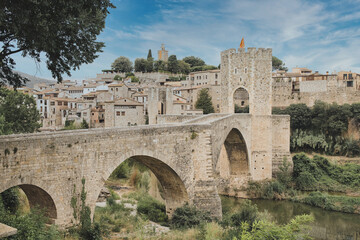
[{"x": 320, "y": 35}]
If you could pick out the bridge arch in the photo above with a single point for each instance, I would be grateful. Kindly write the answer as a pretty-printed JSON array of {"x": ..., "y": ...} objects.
[
  {"x": 175, "y": 190},
  {"x": 234, "y": 157},
  {"x": 38, "y": 197}
]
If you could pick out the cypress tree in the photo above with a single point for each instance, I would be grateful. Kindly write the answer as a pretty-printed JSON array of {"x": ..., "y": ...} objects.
[
  {"x": 204, "y": 101},
  {"x": 149, "y": 54}
]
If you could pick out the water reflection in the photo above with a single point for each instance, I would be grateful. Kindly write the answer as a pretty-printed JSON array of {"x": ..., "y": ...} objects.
[{"x": 328, "y": 225}]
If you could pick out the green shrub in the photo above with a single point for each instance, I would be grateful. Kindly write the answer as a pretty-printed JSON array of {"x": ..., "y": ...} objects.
[
  {"x": 247, "y": 213},
  {"x": 84, "y": 124},
  {"x": 305, "y": 181},
  {"x": 152, "y": 209},
  {"x": 188, "y": 217},
  {"x": 30, "y": 226},
  {"x": 10, "y": 199},
  {"x": 296, "y": 229},
  {"x": 122, "y": 171},
  {"x": 284, "y": 174},
  {"x": 272, "y": 188},
  {"x": 320, "y": 174},
  {"x": 144, "y": 182}
]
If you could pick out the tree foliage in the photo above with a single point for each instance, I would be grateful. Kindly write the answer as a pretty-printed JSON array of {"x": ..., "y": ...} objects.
[
  {"x": 122, "y": 64},
  {"x": 278, "y": 64},
  {"x": 160, "y": 65},
  {"x": 64, "y": 31},
  {"x": 183, "y": 67},
  {"x": 173, "y": 65},
  {"x": 194, "y": 61},
  {"x": 204, "y": 101},
  {"x": 18, "y": 113},
  {"x": 149, "y": 55},
  {"x": 140, "y": 65}
]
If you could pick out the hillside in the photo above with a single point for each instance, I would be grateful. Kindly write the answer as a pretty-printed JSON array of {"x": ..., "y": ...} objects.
[{"x": 34, "y": 80}]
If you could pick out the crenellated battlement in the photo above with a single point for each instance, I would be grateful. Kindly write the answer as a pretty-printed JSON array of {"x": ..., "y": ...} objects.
[{"x": 251, "y": 52}]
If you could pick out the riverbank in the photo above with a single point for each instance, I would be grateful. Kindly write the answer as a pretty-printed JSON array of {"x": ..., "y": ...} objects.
[{"x": 314, "y": 181}]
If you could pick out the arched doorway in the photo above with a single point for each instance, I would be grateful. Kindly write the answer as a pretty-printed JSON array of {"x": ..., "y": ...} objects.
[{"x": 241, "y": 100}]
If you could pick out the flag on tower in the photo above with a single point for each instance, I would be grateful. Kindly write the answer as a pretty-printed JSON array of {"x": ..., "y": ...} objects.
[{"x": 242, "y": 44}]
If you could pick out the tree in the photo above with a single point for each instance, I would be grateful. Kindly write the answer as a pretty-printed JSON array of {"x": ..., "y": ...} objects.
[
  {"x": 149, "y": 55},
  {"x": 173, "y": 65},
  {"x": 122, "y": 64},
  {"x": 140, "y": 65},
  {"x": 204, "y": 101},
  {"x": 18, "y": 113},
  {"x": 150, "y": 65},
  {"x": 300, "y": 116},
  {"x": 84, "y": 124},
  {"x": 160, "y": 65},
  {"x": 277, "y": 64},
  {"x": 117, "y": 78},
  {"x": 209, "y": 67},
  {"x": 194, "y": 61},
  {"x": 183, "y": 67},
  {"x": 64, "y": 31}
]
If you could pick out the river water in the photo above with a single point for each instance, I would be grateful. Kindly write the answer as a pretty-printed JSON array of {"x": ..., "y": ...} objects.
[{"x": 327, "y": 225}]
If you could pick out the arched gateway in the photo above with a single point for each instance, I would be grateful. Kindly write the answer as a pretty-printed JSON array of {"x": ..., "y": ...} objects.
[{"x": 194, "y": 160}]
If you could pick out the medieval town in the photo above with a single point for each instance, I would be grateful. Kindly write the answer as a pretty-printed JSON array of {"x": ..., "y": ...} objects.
[{"x": 179, "y": 119}]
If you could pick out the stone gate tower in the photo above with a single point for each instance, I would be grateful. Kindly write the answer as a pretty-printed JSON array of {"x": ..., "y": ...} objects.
[{"x": 250, "y": 70}]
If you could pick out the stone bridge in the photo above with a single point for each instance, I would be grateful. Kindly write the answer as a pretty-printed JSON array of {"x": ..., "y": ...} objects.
[{"x": 194, "y": 160}]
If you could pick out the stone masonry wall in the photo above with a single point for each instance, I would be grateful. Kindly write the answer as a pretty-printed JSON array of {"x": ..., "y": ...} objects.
[{"x": 56, "y": 162}]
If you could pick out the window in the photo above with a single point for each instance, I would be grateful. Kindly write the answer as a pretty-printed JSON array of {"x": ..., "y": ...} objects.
[
  {"x": 122, "y": 113},
  {"x": 93, "y": 114},
  {"x": 235, "y": 71},
  {"x": 117, "y": 113},
  {"x": 245, "y": 70},
  {"x": 59, "y": 103},
  {"x": 117, "y": 89},
  {"x": 40, "y": 101},
  {"x": 350, "y": 76},
  {"x": 52, "y": 103},
  {"x": 242, "y": 103},
  {"x": 350, "y": 83},
  {"x": 216, "y": 75},
  {"x": 112, "y": 89},
  {"x": 344, "y": 76}
]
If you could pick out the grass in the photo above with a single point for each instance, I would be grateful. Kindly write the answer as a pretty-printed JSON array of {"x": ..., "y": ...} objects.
[
  {"x": 311, "y": 177},
  {"x": 331, "y": 202}
]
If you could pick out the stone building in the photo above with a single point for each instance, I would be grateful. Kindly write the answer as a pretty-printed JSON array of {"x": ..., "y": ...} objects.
[
  {"x": 120, "y": 90},
  {"x": 163, "y": 54},
  {"x": 97, "y": 118},
  {"x": 209, "y": 77},
  {"x": 123, "y": 112}
]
